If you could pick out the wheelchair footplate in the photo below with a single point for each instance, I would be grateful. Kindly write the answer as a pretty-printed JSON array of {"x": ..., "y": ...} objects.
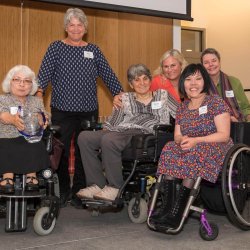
[
  {"x": 96, "y": 204},
  {"x": 24, "y": 194}
]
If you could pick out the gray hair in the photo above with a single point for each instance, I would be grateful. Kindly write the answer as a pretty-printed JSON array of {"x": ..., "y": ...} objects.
[
  {"x": 78, "y": 14},
  {"x": 210, "y": 51},
  {"x": 136, "y": 70},
  {"x": 26, "y": 71},
  {"x": 175, "y": 54}
]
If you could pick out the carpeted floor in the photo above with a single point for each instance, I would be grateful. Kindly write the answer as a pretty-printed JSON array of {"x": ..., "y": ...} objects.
[{"x": 78, "y": 229}]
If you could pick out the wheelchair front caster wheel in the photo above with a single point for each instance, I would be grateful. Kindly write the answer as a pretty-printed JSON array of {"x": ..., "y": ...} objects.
[
  {"x": 42, "y": 224},
  {"x": 138, "y": 210},
  {"x": 204, "y": 234}
]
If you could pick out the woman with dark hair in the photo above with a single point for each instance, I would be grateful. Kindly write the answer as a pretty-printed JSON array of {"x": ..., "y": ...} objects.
[
  {"x": 201, "y": 140},
  {"x": 228, "y": 87}
]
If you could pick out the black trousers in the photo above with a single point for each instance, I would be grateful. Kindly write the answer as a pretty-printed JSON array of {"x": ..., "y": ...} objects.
[{"x": 70, "y": 124}]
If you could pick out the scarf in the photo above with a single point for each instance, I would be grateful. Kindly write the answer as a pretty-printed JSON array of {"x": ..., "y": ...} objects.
[{"x": 231, "y": 101}]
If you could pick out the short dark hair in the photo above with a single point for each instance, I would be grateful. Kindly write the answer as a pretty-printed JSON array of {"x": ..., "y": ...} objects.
[
  {"x": 191, "y": 69},
  {"x": 210, "y": 51},
  {"x": 136, "y": 70}
]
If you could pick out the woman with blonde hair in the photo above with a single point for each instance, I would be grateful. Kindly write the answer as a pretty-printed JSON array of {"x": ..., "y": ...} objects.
[{"x": 167, "y": 75}]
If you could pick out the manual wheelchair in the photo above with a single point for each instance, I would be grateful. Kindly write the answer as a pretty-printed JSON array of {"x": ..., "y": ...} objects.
[
  {"x": 44, "y": 203},
  {"x": 139, "y": 161},
  {"x": 233, "y": 187}
]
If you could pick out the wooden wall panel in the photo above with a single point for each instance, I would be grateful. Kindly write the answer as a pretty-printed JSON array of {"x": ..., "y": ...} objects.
[
  {"x": 10, "y": 30},
  {"x": 124, "y": 39}
]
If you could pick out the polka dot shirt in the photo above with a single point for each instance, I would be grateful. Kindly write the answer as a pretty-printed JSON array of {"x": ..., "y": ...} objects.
[{"x": 73, "y": 72}]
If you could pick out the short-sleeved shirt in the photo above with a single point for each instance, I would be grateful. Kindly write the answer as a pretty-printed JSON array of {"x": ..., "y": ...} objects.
[{"x": 204, "y": 159}]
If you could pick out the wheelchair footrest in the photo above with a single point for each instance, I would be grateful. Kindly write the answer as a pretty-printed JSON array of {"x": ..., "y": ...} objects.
[
  {"x": 16, "y": 215},
  {"x": 93, "y": 203}
]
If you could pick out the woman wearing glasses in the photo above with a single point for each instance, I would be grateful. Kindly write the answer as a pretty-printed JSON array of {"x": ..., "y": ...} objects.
[{"x": 17, "y": 155}]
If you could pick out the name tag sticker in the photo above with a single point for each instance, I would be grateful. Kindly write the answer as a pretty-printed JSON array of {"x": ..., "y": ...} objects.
[
  {"x": 203, "y": 110},
  {"x": 13, "y": 110},
  {"x": 156, "y": 105},
  {"x": 229, "y": 93},
  {"x": 88, "y": 54}
]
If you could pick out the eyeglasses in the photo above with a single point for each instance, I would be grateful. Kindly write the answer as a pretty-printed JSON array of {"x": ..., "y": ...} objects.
[{"x": 18, "y": 81}]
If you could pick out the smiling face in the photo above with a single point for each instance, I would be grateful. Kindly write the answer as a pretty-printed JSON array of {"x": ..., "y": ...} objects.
[
  {"x": 212, "y": 64},
  {"x": 20, "y": 85},
  {"x": 141, "y": 84},
  {"x": 75, "y": 30},
  {"x": 171, "y": 68},
  {"x": 194, "y": 85}
]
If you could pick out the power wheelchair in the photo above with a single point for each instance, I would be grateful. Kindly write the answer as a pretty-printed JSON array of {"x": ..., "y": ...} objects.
[
  {"x": 139, "y": 161},
  {"x": 44, "y": 203},
  {"x": 233, "y": 187}
]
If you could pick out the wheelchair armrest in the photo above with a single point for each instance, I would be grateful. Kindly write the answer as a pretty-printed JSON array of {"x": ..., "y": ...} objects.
[
  {"x": 163, "y": 128},
  {"x": 53, "y": 128},
  {"x": 141, "y": 140}
]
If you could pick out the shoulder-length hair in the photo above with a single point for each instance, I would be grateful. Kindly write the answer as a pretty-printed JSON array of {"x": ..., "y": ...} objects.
[
  {"x": 191, "y": 69},
  {"x": 26, "y": 71},
  {"x": 175, "y": 54}
]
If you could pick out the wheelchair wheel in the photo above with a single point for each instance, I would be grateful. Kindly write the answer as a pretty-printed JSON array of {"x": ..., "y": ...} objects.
[
  {"x": 236, "y": 185},
  {"x": 41, "y": 225},
  {"x": 204, "y": 234},
  {"x": 138, "y": 210}
]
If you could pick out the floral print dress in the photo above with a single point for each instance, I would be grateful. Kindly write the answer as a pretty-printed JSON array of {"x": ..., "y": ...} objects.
[{"x": 205, "y": 159}]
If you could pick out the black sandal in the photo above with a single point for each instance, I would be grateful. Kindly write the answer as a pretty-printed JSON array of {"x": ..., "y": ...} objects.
[
  {"x": 8, "y": 188},
  {"x": 30, "y": 185}
]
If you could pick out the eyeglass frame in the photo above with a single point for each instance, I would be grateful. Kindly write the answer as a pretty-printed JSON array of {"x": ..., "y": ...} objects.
[{"x": 18, "y": 81}]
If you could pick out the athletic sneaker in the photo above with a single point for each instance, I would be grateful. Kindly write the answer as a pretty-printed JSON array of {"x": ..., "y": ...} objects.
[
  {"x": 88, "y": 192},
  {"x": 107, "y": 193}
]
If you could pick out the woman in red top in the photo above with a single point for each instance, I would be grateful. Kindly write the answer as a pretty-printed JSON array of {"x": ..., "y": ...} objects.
[{"x": 167, "y": 75}]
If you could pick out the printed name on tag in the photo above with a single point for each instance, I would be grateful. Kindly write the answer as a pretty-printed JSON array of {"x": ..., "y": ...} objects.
[
  {"x": 13, "y": 110},
  {"x": 88, "y": 54},
  {"x": 156, "y": 105},
  {"x": 203, "y": 110},
  {"x": 229, "y": 93}
]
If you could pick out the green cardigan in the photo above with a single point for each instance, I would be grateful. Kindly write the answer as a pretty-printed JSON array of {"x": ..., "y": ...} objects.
[{"x": 239, "y": 94}]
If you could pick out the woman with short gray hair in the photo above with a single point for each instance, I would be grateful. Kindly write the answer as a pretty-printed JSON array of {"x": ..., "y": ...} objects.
[
  {"x": 72, "y": 66},
  {"x": 140, "y": 111}
]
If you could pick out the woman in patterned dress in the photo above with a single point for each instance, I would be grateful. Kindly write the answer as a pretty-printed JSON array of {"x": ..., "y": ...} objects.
[
  {"x": 72, "y": 66},
  {"x": 201, "y": 140}
]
